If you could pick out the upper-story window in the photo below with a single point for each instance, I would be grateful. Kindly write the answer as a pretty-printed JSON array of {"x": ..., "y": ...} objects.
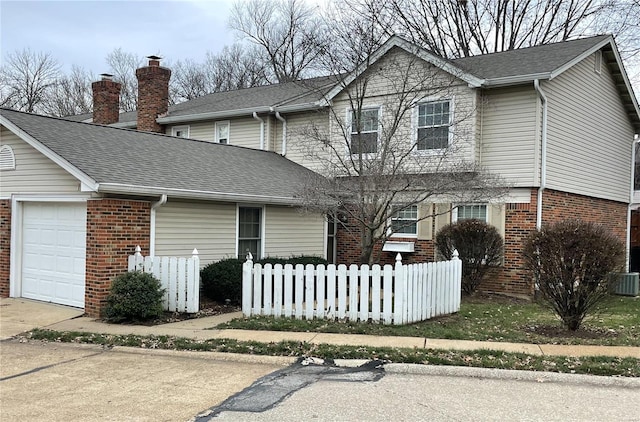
[
  {"x": 404, "y": 221},
  {"x": 365, "y": 129},
  {"x": 434, "y": 122},
  {"x": 470, "y": 211},
  {"x": 180, "y": 131},
  {"x": 222, "y": 132},
  {"x": 7, "y": 158}
]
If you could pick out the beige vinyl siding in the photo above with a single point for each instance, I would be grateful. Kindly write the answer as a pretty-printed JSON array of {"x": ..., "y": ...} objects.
[
  {"x": 395, "y": 73},
  {"x": 509, "y": 134},
  {"x": 300, "y": 144},
  {"x": 210, "y": 227},
  {"x": 289, "y": 232},
  {"x": 243, "y": 131},
  {"x": 34, "y": 172},
  {"x": 589, "y": 134}
]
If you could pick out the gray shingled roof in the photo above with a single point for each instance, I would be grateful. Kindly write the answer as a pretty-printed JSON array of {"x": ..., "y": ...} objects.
[
  {"x": 288, "y": 94},
  {"x": 159, "y": 162},
  {"x": 527, "y": 61}
]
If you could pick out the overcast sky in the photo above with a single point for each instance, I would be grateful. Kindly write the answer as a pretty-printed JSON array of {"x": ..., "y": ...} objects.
[{"x": 84, "y": 32}]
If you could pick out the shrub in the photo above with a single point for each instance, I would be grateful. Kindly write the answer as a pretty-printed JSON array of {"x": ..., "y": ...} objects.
[
  {"x": 570, "y": 261},
  {"x": 222, "y": 280},
  {"x": 479, "y": 246},
  {"x": 134, "y": 296}
]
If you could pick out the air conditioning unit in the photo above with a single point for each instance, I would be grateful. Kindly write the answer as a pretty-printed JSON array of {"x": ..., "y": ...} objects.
[{"x": 626, "y": 284}]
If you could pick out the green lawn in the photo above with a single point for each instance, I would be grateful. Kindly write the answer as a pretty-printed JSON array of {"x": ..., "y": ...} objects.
[{"x": 616, "y": 322}]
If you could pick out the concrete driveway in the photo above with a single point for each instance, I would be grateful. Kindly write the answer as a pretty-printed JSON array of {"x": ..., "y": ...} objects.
[
  {"x": 72, "y": 382},
  {"x": 18, "y": 315}
]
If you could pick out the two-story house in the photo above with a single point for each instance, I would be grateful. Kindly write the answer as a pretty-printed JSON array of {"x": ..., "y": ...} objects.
[{"x": 556, "y": 122}]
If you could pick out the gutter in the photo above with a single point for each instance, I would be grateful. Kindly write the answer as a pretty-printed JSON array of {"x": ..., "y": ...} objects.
[
  {"x": 543, "y": 154},
  {"x": 255, "y": 116},
  {"x": 119, "y": 188},
  {"x": 284, "y": 133},
  {"x": 152, "y": 229},
  {"x": 233, "y": 113}
]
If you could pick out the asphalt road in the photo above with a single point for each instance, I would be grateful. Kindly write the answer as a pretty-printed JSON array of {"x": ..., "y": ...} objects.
[
  {"x": 444, "y": 394},
  {"x": 70, "y": 382}
]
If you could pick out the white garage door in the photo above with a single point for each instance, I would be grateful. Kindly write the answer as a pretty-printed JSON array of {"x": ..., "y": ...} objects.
[{"x": 54, "y": 250}]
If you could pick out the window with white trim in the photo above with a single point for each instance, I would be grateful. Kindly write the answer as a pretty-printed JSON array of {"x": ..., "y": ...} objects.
[
  {"x": 249, "y": 231},
  {"x": 365, "y": 128},
  {"x": 434, "y": 122},
  {"x": 7, "y": 158},
  {"x": 180, "y": 131},
  {"x": 470, "y": 211},
  {"x": 222, "y": 132},
  {"x": 404, "y": 221}
]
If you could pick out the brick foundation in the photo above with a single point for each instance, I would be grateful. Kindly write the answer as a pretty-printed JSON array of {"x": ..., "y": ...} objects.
[
  {"x": 520, "y": 220},
  {"x": 5, "y": 246},
  {"x": 114, "y": 228}
]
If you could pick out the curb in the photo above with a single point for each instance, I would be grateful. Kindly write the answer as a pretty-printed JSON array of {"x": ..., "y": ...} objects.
[
  {"x": 511, "y": 374},
  {"x": 224, "y": 356}
]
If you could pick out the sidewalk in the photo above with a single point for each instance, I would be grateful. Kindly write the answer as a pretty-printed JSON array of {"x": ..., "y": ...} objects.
[
  {"x": 200, "y": 329},
  {"x": 18, "y": 315}
]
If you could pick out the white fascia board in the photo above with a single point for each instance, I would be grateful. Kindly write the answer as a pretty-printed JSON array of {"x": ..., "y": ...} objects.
[
  {"x": 87, "y": 182},
  {"x": 577, "y": 59},
  {"x": 119, "y": 188},
  {"x": 515, "y": 80},
  {"x": 211, "y": 115}
]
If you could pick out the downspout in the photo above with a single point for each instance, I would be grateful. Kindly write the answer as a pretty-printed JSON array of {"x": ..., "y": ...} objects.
[
  {"x": 152, "y": 234},
  {"x": 543, "y": 153},
  {"x": 634, "y": 145},
  {"x": 255, "y": 116},
  {"x": 284, "y": 133}
]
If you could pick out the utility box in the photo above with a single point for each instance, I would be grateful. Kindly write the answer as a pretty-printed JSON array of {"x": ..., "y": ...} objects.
[{"x": 626, "y": 284}]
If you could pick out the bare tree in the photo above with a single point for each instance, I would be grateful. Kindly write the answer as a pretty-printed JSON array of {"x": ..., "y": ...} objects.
[
  {"x": 466, "y": 27},
  {"x": 26, "y": 79},
  {"x": 376, "y": 165},
  {"x": 290, "y": 34},
  {"x": 123, "y": 66},
  {"x": 71, "y": 94}
]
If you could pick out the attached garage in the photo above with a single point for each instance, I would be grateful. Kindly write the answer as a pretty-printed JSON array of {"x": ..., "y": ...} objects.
[{"x": 54, "y": 251}]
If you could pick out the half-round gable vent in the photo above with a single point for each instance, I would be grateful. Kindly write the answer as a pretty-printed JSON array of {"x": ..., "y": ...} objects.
[{"x": 7, "y": 158}]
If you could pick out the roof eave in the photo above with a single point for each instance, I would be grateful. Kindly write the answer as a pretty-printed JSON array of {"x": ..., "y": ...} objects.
[
  {"x": 515, "y": 80},
  {"x": 235, "y": 113},
  {"x": 87, "y": 182},
  {"x": 119, "y": 188}
]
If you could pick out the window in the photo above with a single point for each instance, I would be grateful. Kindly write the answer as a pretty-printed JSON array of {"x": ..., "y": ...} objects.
[
  {"x": 222, "y": 132},
  {"x": 404, "y": 221},
  {"x": 470, "y": 211},
  {"x": 180, "y": 131},
  {"x": 364, "y": 131},
  {"x": 7, "y": 158},
  {"x": 434, "y": 120},
  {"x": 249, "y": 231}
]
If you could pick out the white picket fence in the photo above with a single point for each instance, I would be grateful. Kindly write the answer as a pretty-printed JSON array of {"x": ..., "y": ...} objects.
[
  {"x": 180, "y": 277},
  {"x": 400, "y": 294}
]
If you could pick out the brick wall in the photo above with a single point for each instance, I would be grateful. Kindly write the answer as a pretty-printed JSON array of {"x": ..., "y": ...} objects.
[
  {"x": 520, "y": 220},
  {"x": 5, "y": 246},
  {"x": 153, "y": 95},
  {"x": 511, "y": 278},
  {"x": 114, "y": 228}
]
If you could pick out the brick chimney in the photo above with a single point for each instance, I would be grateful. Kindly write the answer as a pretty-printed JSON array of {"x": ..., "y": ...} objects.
[
  {"x": 106, "y": 100},
  {"x": 153, "y": 94}
]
